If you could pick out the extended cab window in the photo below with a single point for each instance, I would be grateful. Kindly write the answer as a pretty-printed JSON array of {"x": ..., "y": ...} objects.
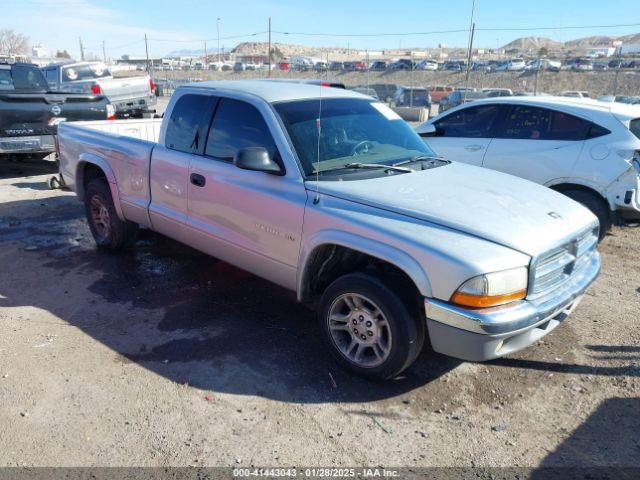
[
  {"x": 185, "y": 130},
  {"x": 472, "y": 122},
  {"x": 237, "y": 125},
  {"x": 534, "y": 123}
]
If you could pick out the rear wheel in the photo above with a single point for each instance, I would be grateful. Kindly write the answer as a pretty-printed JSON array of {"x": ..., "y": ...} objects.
[
  {"x": 597, "y": 206},
  {"x": 108, "y": 230},
  {"x": 368, "y": 328}
]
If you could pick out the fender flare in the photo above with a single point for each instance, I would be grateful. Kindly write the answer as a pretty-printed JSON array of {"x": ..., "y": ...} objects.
[
  {"x": 367, "y": 246},
  {"x": 102, "y": 164}
]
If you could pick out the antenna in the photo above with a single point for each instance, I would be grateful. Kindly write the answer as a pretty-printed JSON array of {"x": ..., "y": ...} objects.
[{"x": 316, "y": 198}]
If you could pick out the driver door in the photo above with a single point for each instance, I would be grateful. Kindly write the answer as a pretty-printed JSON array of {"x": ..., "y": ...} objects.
[
  {"x": 250, "y": 219},
  {"x": 465, "y": 135}
]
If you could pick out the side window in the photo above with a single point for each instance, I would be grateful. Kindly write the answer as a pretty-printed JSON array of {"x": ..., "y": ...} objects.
[
  {"x": 50, "y": 75},
  {"x": 534, "y": 123},
  {"x": 472, "y": 122},
  {"x": 237, "y": 125},
  {"x": 185, "y": 130},
  {"x": 525, "y": 122}
]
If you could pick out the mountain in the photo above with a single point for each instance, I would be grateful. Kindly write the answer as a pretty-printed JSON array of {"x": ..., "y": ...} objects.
[{"x": 532, "y": 44}]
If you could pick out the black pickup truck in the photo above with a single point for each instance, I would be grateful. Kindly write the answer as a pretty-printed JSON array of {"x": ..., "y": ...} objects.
[{"x": 30, "y": 113}]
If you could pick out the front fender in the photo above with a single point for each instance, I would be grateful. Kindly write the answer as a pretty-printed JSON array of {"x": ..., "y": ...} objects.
[
  {"x": 390, "y": 254},
  {"x": 90, "y": 158}
]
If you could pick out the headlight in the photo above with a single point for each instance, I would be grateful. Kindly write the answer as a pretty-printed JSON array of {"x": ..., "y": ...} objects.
[{"x": 493, "y": 289}]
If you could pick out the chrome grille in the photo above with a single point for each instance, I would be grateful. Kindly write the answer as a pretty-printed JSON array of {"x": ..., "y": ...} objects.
[{"x": 553, "y": 268}]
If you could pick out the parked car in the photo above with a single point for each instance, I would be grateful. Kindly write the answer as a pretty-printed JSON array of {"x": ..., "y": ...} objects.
[
  {"x": 628, "y": 99},
  {"x": 601, "y": 66},
  {"x": 284, "y": 66},
  {"x": 385, "y": 91},
  {"x": 438, "y": 92},
  {"x": 412, "y": 97},
  {"x": 513, "y": 65},
  {"x": 357, "y": 66},
  {"x": 336, "y": 66},
  {"x": 403, "y": 64},
  {"x": 370, "y": 92},
  {"x": 427, "y": 65},
  {"x": 131, "y": 96},
  {"x": 587, "y": 150},
  {"x": 582, "y": 65},
  {"x": 574, "y": 93},
  {"x": 309, "y": 81},
  {"x": 320, "y": 67},
  {"x": 543, "y": 64},
  {"x": 379, "y": 66},
  {"x": 497, "y": 92},
  {"x": 387, "y": 241},
  {"x": 239, "y": 67},
  {"x": 30, "y": 112},
  {"x": 453, "y": 66},
  {"x": 458, "y": 98}
]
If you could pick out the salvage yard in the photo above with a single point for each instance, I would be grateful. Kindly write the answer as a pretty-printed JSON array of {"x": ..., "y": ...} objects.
[{"x": 164, "y": 356}]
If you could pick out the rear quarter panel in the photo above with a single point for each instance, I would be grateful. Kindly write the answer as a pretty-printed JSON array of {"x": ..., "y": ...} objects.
[{"x": 124, "y": 160}]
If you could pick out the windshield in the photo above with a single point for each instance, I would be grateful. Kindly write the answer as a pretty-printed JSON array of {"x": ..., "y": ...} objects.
[
  {"x": 352, "y": 130},
  {"x": 84, "y": 72}
]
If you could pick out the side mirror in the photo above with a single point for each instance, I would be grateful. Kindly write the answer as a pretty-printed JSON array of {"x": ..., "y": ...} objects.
[
  {"x": 427, "y": 130},
  {"x": 256, "y": 159}
]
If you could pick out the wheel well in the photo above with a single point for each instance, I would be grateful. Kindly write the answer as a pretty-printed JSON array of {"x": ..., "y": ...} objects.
[
  {"x": 329, "y": 262},
  {"x": 88, "y": 172},
  {"x": 564, "y": 187}
]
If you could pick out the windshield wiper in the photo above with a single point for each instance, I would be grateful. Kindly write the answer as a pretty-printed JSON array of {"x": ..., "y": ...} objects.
[
  {"x": 380, "y": 166},
  {"x": 417, "y": 158}
]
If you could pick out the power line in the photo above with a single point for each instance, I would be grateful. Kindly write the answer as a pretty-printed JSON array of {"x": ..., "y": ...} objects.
[
  {"x": 195, "y": 40},
  {"x": 461, "y": 30}
]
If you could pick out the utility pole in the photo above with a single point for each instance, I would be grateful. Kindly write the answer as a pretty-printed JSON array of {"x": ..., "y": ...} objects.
[
  {"x": 104, "y": 53},
  {"x": 206, "y": 61},
  {"x": 81, "y": 49},
  {"x": 218, "y": 30},
  {"x": 146, "y": 49},
  {"x": 615, "y": 77},
  {"x": 472, "y": 28},
  {"x": 269, "y": 52}
]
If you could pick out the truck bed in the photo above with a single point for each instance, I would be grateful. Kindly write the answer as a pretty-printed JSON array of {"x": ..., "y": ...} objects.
[{"x": 122, "y": 148}]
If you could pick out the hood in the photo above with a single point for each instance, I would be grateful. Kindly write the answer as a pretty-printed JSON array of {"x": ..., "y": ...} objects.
[{"x": 495, "y": 206}]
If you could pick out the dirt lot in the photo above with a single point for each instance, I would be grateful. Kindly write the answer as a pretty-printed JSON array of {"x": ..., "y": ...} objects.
[{"x": 163, "y": 356}]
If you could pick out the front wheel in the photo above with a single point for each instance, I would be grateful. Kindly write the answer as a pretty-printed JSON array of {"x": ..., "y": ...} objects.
[
  {"x": 368, "y": 328},
  {"x": 597, "y": 206}
]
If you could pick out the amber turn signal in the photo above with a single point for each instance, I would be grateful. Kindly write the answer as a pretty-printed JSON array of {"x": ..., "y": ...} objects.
[{"x": 484, "y": 301}]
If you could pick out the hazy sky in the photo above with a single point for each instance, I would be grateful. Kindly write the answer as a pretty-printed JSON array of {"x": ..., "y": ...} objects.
[{"x": 179, "y": 24}]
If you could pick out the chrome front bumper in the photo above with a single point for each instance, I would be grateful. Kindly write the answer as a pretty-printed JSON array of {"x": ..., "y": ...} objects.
[
  {"x": 27, "y": 144},
  {"x": 483, "y": 334}
]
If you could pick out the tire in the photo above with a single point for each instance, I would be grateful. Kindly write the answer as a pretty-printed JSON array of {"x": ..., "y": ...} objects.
[
  {"x": 399, "y": 336},
  {"x": 109, "y": 232},
  {"x": 597, "y": 206}
]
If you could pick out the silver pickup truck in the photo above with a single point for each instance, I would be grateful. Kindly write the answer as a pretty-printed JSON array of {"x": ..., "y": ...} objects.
[
  {"x": 329, "y": 193},
  {"x": 131, "y": 96}
]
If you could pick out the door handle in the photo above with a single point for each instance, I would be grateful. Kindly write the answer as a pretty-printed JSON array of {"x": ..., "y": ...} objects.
[
  {"x": 198, "y": 180},
  {"x": 473, "y": 148}
]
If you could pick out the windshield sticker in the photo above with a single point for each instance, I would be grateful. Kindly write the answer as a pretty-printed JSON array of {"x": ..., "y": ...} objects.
[{"x": 386, "y": 111}]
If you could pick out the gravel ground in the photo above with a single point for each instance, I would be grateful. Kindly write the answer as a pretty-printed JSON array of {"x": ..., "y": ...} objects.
[{"x": 163, "y": 356}]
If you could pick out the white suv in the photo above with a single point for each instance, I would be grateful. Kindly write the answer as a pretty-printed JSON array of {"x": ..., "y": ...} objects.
[{"x": 588, "y": 150}]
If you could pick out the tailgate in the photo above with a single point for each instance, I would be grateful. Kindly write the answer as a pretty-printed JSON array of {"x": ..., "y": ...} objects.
[
  {"x": 123, "y": 89},
  {"x": 23, "y": 114}
]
